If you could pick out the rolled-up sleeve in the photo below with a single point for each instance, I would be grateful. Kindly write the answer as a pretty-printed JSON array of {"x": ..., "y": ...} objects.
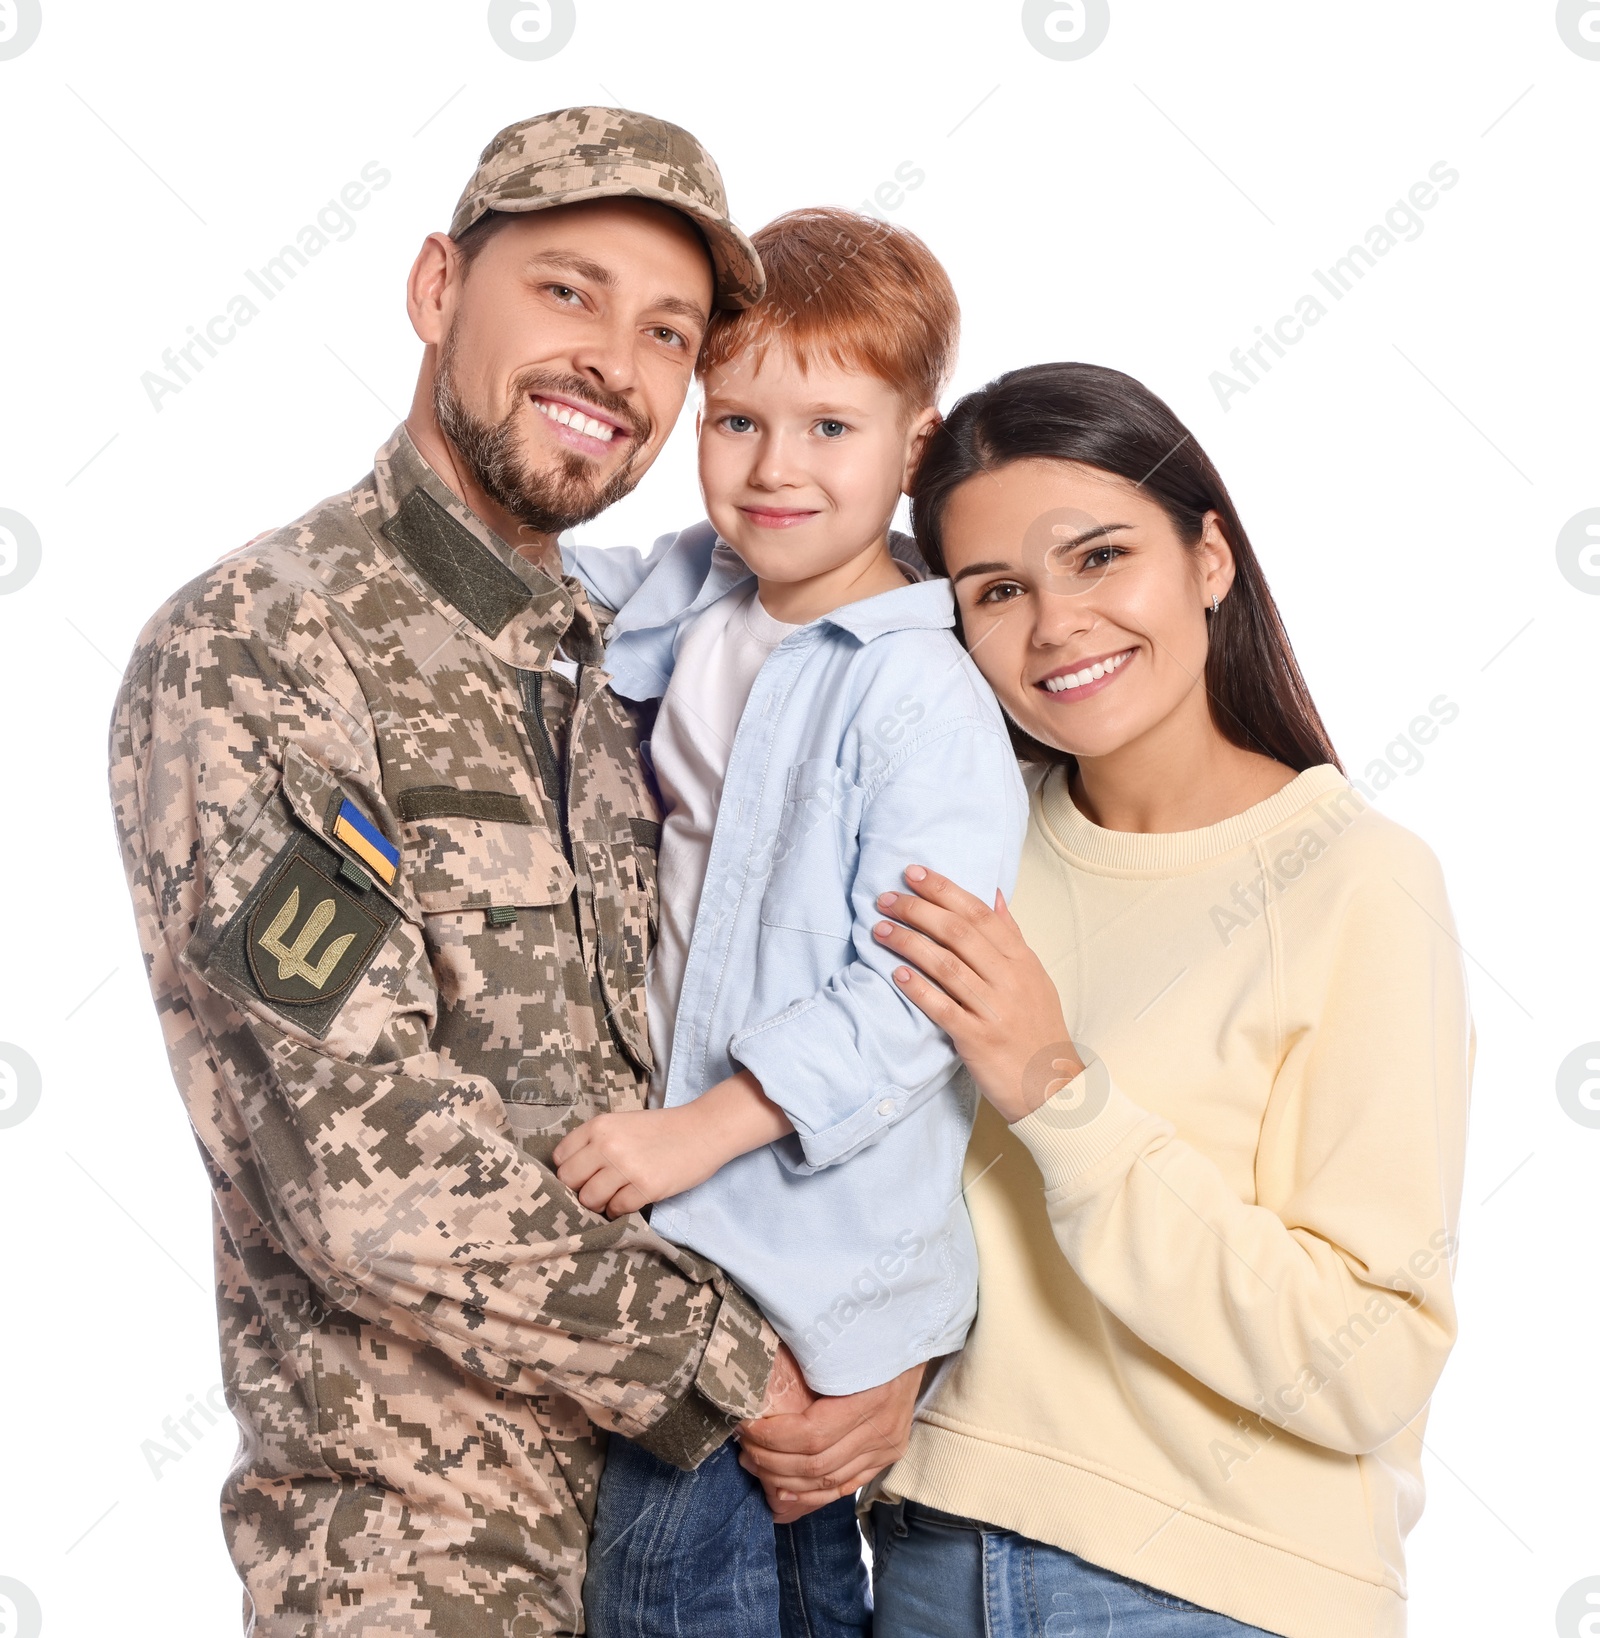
[{"x": 848, "y": 1061}]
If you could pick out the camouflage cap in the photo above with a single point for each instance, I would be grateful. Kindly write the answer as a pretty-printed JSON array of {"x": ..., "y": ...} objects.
[{"x": 572, "y": 154}]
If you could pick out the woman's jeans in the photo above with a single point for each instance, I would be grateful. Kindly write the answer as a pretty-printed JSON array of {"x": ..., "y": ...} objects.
[
  {"x": 937, "y": 1576},
  {"x": 697, "y": 1555}
]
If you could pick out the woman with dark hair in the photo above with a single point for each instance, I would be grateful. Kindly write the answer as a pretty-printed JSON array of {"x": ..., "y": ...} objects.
[{"x": 1223, "y": 1037}]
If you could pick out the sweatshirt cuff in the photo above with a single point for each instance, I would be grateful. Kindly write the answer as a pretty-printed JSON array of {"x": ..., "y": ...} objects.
[
  {"x": 1086, "y": 1126},
  {"x": 729, "y": 1387}
]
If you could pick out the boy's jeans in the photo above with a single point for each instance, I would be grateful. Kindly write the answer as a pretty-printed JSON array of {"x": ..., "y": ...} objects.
[
  {"x": 696, "y": 1555},
  {"x": 937, "y": 1576}
]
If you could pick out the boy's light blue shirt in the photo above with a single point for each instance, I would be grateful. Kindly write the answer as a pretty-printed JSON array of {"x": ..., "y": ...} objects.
[{"x": 869, "y": 742}]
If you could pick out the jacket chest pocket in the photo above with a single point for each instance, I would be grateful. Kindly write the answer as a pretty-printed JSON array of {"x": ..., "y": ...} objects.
[
  {"x": 459, "y": 862},
  {"x": 491, "y": 891},
  {"x": 623, "y": 871},
  {"x": 810, "y": 858}
]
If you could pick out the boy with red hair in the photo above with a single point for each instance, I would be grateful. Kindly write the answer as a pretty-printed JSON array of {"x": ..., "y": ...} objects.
[{"x": 819, "y": 726}]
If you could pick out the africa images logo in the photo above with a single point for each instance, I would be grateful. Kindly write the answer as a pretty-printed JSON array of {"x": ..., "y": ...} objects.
[
  {"x": 20, "y": 1086},
  {"x": 1066, "y": 29},
  {"x": 334, "y": 224},
  {"x": 20, "y": 21},
  {"x": 20, "y": 549},
  {"x": 1578, "y": 1613},
  {"x": 1578, "y": 1084},
  {"x": 1578, "y": 24},
  {"x": 532, "y": 29},
  {"x": 1577, "y": 550},
  {"x": 20, "y": 1615}
]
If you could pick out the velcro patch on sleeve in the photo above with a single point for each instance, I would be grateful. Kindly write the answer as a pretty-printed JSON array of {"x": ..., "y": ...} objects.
[{"x": 305, "y": 935}]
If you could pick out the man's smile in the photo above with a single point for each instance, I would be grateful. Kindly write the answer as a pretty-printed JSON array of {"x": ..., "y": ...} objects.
[{"x": 579, "y": 425}]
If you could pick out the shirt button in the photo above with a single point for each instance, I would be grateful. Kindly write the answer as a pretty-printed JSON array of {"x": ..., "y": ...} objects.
[{"x": 886, "y": 1107}]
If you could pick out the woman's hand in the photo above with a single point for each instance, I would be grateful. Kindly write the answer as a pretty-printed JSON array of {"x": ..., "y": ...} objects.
[
  {"x": 973, "y": 974},
  {"x": 830, "y": 1450}
]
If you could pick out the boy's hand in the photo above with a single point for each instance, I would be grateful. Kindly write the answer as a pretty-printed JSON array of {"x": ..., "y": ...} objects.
[
  {"x": 624, "y": 1162},
  {"x": 621, "y": 1163}
]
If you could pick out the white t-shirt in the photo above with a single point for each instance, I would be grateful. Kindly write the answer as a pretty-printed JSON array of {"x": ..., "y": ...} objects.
[{"x": 719, "y": 656}]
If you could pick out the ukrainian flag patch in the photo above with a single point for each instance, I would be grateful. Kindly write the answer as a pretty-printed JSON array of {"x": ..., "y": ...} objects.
[{"x": 358, "y": 833}]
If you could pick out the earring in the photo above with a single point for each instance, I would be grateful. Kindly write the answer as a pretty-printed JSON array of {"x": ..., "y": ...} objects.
[{"x": 1216, "y": 602}]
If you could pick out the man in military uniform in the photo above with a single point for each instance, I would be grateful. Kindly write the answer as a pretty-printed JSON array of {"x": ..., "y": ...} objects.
[{"x": 393, "y": 862}]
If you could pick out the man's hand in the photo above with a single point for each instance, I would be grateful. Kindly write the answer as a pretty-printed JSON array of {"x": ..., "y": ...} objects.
[
  {"x": 788, "y": 1392},
  {"x": 806, "y": 1460},
  {"x": 624, "y": 1162}
]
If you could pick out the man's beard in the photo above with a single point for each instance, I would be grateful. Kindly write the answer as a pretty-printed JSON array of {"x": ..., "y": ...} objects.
[{"x": 566, "y": 493}]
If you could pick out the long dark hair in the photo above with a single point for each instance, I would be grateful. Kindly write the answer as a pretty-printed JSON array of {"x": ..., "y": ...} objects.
[{"x": 1107, "y": 420}]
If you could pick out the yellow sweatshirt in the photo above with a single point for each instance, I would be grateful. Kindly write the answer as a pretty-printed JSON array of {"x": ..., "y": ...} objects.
[{"x": 1215, "y": 1269}]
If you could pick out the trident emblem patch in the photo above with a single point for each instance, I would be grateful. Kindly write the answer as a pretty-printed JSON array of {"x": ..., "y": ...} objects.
[
  {"x": 308, "y": 937},
  {"x": 292, "y": 961}
]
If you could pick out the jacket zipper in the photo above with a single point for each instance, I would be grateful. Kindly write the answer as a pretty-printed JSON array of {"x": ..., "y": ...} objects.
[
  {"x": 552, "y": 777},
  {"x": 551, "y": 774}
]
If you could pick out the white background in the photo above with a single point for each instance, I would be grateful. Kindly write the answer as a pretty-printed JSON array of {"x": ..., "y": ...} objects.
[{"x": 1404, "y": 472}]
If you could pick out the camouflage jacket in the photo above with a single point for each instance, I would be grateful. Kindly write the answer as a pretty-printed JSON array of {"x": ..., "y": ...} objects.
[{"x": 394, "y": 877}]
